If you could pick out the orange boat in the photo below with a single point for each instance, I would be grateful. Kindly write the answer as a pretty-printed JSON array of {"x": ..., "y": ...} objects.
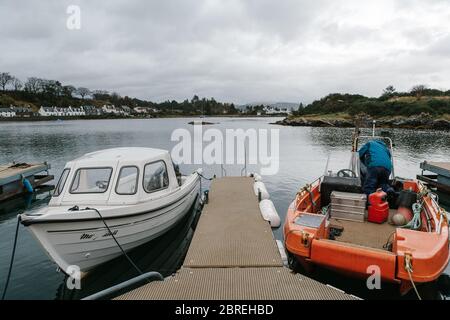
[{"x": 314, "y": 235}]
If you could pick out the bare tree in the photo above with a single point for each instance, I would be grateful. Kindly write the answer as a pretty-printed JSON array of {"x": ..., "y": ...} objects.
[
  {"x": 5, "y": 78},
  {"x": 33, "y": 85},
  {"x": 418, "y": 90},
  {"x": 83, "y": 92},
  {"x": 17, "y": 84}
]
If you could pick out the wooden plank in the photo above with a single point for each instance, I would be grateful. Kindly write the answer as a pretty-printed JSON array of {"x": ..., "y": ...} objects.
[
  {"x": 10, "y": 174},
  {"x": 440, "y": 168}
]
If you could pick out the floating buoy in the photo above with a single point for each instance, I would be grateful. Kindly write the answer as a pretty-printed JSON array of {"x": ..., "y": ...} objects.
[
  {"x": 260, "y": 188},
  {"x": 269, "y": 213},
  {"x": 27, "y": 185},
  {"x": 255, "y": 176},
  {"x": 399, "y": 220}
]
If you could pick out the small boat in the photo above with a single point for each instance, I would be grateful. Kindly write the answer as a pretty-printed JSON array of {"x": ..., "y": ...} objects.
[
  {"x": 338, "y": 236},
  {"x": 131, "y": 195}
]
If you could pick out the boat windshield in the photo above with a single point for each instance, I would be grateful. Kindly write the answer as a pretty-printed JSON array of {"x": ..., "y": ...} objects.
[
  {"x": 61, "y": 183},
  {"x": 155, "y": 176},
  {"x": 91, "y": 180}
]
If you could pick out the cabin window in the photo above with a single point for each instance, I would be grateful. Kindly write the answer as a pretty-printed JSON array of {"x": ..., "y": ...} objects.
[
  {"x": 127, "y": 181},
  {"x": 155, "y": 176},
  {"x": 61, "y": 182},
  {"x": 91, "y": 180}
]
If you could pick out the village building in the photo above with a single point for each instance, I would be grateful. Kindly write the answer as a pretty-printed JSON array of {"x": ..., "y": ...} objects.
[{"x": 6, "y": 112}]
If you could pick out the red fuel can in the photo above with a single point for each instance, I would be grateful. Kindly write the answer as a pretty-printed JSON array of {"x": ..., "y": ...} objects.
[{"x": 378, "y": 211}]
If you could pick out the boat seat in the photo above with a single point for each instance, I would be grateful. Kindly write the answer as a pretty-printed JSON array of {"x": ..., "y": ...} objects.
[{"x": 310, "y": 220}]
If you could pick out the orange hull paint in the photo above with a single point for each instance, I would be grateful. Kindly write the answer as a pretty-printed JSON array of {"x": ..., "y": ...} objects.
[{"x": 429, "y": 250}]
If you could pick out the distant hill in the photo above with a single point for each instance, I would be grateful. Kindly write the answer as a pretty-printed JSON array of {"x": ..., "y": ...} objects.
[
  {"x": 390, "y": 103},
  {"x": 420, "y": 108}
]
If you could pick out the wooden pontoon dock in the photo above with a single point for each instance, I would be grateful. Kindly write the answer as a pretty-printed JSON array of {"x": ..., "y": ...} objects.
[
  {"x": 12, "y": 176},
  {"x": 233, "y": 255},
  {"x": 440, "y": 179}
]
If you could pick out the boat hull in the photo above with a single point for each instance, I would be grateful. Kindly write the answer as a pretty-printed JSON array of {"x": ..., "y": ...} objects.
[
  {"x": 311, "y": 245},
  {"x": 85, "y": 244}
]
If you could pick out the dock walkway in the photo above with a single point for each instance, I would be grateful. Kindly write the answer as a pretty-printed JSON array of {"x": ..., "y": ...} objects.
[
  {"x": 233, "y": 255},
  {"x": 11, "y": 176},
  {"x": 441, "y": 177}
]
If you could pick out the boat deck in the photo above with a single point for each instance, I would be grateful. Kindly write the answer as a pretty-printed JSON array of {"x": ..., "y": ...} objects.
[
  {"x": 233, "y": 255},
  {"x": 365, "y": 234}
]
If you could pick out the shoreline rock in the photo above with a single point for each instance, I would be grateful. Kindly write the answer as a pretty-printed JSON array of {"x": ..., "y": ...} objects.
[{"x": 423, "y": 121}]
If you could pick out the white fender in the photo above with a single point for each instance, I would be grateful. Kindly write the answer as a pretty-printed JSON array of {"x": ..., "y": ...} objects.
[
  {"x": 269, "y": 213},
  {"x": 255, "y": 176},
  {"x": 260, "y": 187}
]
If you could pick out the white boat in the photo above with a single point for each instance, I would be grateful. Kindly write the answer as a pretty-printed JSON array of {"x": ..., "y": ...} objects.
[{"x": 137, "y": 192}]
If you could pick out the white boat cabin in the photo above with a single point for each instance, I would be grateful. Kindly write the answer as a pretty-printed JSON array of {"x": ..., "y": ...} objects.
[{"x": 115, "y": 177}]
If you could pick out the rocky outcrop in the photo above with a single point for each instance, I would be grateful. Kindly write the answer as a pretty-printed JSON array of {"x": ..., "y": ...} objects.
[
  {"x": 305, "y": 122},
  {"x": 422, "y": 121}
]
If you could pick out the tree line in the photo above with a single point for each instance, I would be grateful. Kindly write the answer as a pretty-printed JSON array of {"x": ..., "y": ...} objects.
[
  {"x": 420, "y": 99},
  {"x": 44, "y": 92}
]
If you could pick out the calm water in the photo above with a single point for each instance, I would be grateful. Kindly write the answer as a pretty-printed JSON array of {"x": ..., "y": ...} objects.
[{"x": 303, "y": 155}]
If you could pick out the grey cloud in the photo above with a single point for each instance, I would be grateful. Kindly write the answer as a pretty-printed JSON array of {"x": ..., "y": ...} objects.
[{"x": 241, "y": 51}]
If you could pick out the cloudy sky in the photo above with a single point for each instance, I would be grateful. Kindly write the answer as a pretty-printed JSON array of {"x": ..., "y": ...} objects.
[{"x": 233, "y": 50}]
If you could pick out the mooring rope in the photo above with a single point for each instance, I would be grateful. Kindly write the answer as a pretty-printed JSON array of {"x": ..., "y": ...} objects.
[
  {"x": 117, "y": 242},
  {"x": 413, "y": 284},
  {"x": 206, "y": 178},
  {"x": 12, "y": 258}
]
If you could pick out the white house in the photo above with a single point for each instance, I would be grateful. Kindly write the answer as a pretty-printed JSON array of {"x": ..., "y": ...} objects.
[
  {"x": 125, "y": 110},
  {"x": 110, "y": 109},
  {"x": 90, "y": 110},
  {"x": 140, "y": 110},
  {"x": 61, "y": 112},
  {"x": 47, "y": 111},
  {"x": 272, "y": 110},
  {"x": 75, "y": 112},
  {"x": 7, "y": 113}
]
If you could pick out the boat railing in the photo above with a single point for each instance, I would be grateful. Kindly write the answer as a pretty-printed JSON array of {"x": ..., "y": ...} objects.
[
  {"x": 307, "y": 189},
  {"x": 223, "y": 170},
  {"x": 115, "y": 290}
]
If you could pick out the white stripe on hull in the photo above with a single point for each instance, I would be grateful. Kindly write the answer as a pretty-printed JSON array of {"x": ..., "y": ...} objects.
[{"x": 87, "y": 244}]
